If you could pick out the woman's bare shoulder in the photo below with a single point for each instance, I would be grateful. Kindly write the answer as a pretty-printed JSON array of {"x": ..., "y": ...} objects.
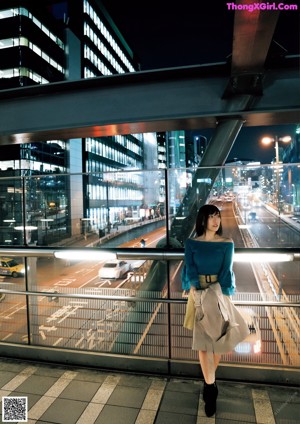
[{"x": 226, "y": 239}]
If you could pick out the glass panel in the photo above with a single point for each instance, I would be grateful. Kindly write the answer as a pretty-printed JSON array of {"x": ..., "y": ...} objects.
[
  {"x": 13, "y": 315},
  {"x": 273, "y": 339},
  {"x": 47, "y": 204},
  {"x": 11, "y": 190},
  {"x": 114, "y": 201},
  {"x": 125, "y": 207},
  {"x": 101, "y": 325},
  {"x": 260, "y": 207},
  {"x": 141, "y": 327}
]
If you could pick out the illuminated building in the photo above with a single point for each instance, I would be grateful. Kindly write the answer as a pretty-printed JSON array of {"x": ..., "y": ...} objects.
[{"x": 53, "y": 41}]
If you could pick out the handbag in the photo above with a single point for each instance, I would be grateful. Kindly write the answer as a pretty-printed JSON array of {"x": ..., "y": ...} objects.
[{"x": 190, "y": 311}]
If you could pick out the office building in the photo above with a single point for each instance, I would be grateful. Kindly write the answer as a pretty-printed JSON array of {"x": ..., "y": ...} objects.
[{"x": 68, "y": 40}]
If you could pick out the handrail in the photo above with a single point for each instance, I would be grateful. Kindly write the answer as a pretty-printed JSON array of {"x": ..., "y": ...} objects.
[
  {"x": 140, "y": 253},
  {"x": 142, "y": 299}
]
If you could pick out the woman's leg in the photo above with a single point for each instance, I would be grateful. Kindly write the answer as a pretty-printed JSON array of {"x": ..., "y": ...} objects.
[
  {"x": 217, "y": 359},
  {"x": 209, "y": 362}
]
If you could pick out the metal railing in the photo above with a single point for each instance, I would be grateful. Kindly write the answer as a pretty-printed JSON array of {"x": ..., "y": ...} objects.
[{"x": 129, "y": 322}]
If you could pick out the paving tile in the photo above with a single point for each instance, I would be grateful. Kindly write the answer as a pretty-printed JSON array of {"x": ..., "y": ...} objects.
[
  {"x": 117, "y": 415},
  {"x": 262, "y": 406},
  {"x": 132, "y": 397},
  {"x": 146, "y": 417},
  {"x": 93, "y": 376},
  {"x": 184, "y": 386},
  {"x": 89, "y": 374},
  {"x": 171, "y": 418},
  {"x": 286, "y": 413},
  {"x": 235, "y": 410},
  {"x": 32, "y": 398},
  {"x": 238, "y": 390},
  {"x": 78, "y": 391},
  {"x": 50, "y": 371},
  {"x": 180, "y": 402},
  {"x": 284, "y": 394},
  {"x": 37, "y": 384},
  {"x": 5, "y": 377},
  {"x": 63, "y": 411},
  {"x": 230, "y": 421},
  {"x": 12, "y": 365},
  {"x": 135, "y": 381}
]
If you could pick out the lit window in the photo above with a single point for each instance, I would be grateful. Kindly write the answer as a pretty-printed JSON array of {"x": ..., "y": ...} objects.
[
  {"x": 36, "y": 49},
  {"x": 4, "y": 14}
]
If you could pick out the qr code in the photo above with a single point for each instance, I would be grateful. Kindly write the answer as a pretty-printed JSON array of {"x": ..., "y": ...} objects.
[{"x": 14, "y": 409}]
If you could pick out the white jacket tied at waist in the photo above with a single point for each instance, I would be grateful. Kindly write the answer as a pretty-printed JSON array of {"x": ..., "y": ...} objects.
[{"x": 217, "y": 324}]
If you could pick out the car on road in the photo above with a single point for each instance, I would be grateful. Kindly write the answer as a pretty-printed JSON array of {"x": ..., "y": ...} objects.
[
  {"x": 113, "y": 270},
  {"x": 252, "y": 217},
  {"x": 11, "y": 267},
  {"x": 136, "y": 264}
]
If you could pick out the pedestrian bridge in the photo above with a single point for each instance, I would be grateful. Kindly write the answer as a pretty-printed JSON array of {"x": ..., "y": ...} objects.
[
  {"x": 58, "y": 310},
  {"x": 44, "y": 317}
]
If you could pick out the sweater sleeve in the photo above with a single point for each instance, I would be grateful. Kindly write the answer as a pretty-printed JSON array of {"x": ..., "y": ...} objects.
[
  {"x": 226, "y": 275},
  {"x": 190, "y": 267}
]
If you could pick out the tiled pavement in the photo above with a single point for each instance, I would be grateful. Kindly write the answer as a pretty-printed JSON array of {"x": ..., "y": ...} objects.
[{"x": 57, "y": 394}]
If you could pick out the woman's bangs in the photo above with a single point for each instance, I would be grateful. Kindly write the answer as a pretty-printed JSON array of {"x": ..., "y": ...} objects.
[{"x": 213, "y": 210}]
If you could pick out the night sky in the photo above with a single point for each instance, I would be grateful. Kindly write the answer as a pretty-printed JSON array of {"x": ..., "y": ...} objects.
[{"x": 166, "y": 34}]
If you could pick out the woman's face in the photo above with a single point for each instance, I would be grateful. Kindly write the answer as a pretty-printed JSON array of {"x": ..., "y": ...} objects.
[{"x": 213, "y": 222}]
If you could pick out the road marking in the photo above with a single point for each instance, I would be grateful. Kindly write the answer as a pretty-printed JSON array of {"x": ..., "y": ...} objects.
[
  {"x": 65, "y": 282},
  {"x": 16, "y": 309},
  {"x": 87, "y": 282},
  {"x": 79, "y": 302},
  {"x": 7, "y": 337},
  {"x": 47, "y": 297},
  {"x": 101, "y": 284},
  {"x": 143, "y": 336}
]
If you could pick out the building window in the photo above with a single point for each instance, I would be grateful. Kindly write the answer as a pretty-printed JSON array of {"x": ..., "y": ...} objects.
[
  {"x": 108, "y": 36},
  {"x": 8, "y": 13}
]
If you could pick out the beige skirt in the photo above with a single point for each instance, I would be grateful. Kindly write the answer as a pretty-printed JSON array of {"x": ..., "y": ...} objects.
[{"x": 217, "y": 324}]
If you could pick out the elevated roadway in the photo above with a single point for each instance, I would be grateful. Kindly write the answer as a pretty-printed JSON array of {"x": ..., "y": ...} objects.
[{"x": 163, "y": 100}]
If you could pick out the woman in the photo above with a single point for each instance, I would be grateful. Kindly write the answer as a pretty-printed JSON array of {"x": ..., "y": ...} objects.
[{"x": 217, "y": 325}]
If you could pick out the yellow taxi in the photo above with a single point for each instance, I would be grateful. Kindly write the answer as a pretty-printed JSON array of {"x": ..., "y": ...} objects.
[{"x": 10, "y": 267}]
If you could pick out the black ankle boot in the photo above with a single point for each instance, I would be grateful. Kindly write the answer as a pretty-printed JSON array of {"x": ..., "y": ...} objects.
[
  {"x": 210, "y": 394},
  {"x": 205, "y": 391}
]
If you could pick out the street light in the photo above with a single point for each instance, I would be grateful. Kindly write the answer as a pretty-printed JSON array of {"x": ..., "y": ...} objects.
[
  {"x": 276, "y": 140},
  {"x": 268, "y": 140}
]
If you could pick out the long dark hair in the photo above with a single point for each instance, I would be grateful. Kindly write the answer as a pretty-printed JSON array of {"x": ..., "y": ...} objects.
[{"x": 202, "y": 217}]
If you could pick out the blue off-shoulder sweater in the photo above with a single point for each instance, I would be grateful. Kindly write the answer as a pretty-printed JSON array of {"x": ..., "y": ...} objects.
[{"x": 214, "y": 258}]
